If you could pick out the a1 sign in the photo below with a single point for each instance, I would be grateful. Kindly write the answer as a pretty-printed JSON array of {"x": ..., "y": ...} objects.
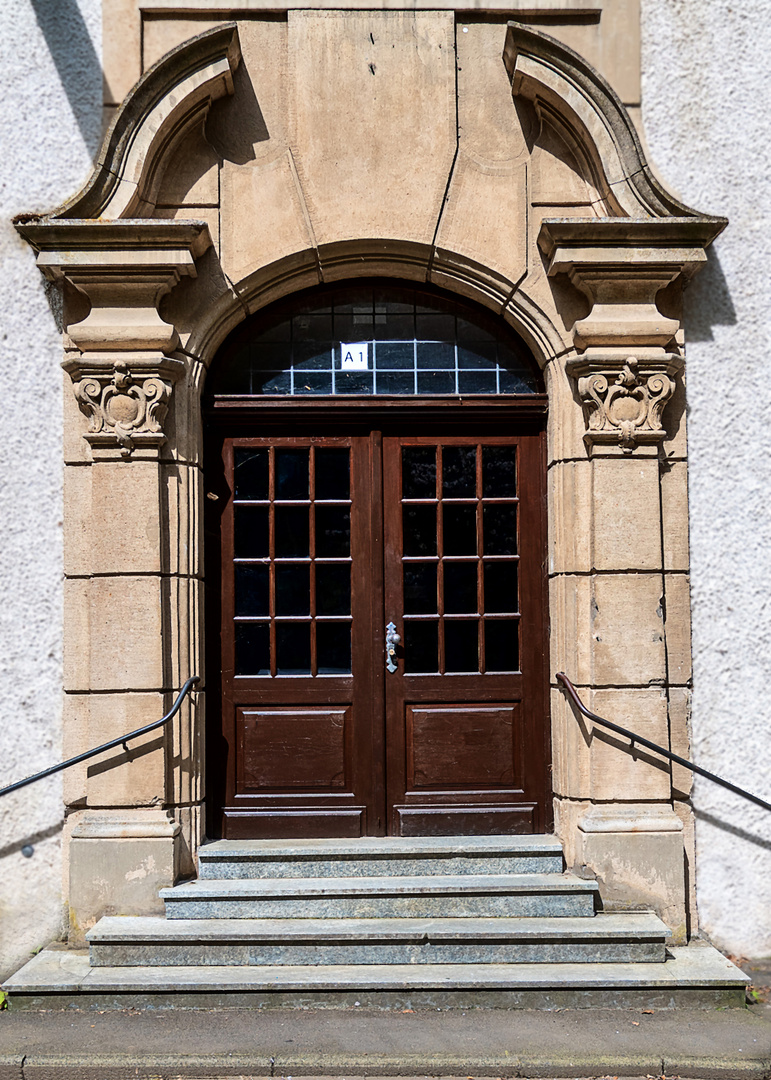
[{"x": 355, "y": 356}]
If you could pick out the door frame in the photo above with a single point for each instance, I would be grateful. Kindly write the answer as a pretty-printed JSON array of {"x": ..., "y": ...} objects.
[{"x": 261, "y": 417}]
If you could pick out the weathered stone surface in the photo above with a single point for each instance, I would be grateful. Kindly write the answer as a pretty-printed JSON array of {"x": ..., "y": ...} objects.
[
  {"x": 376, "y": 897},
  {"x": 678, "y": 627},
  {"x": 627, "y": 530},
  {"x": 697, "y": 968},
  {"x": 121, "y": 48},
  {"x": 160, "y": 36},
  {"x": 115, "y": 778},
  {"x": 269, "y": 191},
  {"x": 394, "y": 75},
  {"x": 637, "y": 855},
  {"x": 380, "y": 856},
  {"x": 571, "y": 514},
  {"x": 192, "y": 176},
  {"x": 618, "y": 771},
  {"x": 674, "y": 515},
  {"x": 103, "y": 615},
  {"x": 627, "y": 629},
  {"x": 118, "y": 860},
  {"x": 156, "y": 942},
  {"x": 680, "y": 738}
]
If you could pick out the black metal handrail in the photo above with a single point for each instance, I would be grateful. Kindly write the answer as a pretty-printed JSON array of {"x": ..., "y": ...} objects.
[
  {"x": 572, "y": 693},
  {"x": 120, "y": 741}
]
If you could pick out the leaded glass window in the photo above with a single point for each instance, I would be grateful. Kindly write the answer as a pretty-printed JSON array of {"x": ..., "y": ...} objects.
[{"x": 375, "y": 339}]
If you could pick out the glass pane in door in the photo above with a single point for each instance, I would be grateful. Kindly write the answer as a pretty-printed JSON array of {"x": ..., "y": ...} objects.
[{"x": 292, "y": 561}]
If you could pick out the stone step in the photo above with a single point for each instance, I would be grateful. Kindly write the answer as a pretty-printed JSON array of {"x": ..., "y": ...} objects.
[
  {"x": 381, "y": 856},
  {"x": 446, "y": 896},
  {"x": 696, "y": 975},
  {"x": 615, "y": 938}
]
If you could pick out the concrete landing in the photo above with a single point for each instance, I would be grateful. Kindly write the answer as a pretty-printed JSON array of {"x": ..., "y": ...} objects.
[{"x": 733, "y": 1044}]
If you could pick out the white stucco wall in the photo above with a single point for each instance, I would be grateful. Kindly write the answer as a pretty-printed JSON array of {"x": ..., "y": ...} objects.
[
  {"x": 706, "y": 114},
  {"x": 50, "y": 120}
]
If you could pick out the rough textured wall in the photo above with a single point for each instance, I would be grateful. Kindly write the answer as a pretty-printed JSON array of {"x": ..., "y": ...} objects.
[
  {"x": 705, "y": 99},
  {"x": 49, "y": 130}
]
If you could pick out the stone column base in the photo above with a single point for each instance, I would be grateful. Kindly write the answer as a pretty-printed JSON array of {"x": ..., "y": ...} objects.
[
  {"x": 118, "y": 861},
  {"x": 636, "y": 852}
]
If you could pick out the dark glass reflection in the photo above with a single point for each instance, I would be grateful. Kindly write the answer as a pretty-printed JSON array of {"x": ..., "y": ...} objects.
[
  {"x": 333, "y": 648},
  {"x": 251, "y": 532},
  {"x": 421, "y": 646},
  {"x": 499, "y": 471},
  {"x": 420, "y": 588},
  {"x": 291, "y": 474},
  {"x": 501, "y": 645},
  {"x": 333, "y": 589},
  {"x": 252, "y": 649},
  {"x": 460, "y": 529},
  {"x": 459, "y": 472},
  {"x": 461, "y": 647},
  {"x": 435, "y": 344},
  {"x": 293, "y": 589},
  {"x": 250, "y": 473},
  {"x": 460, "y": 588},
  {"x": 293, "y": 648},
  {"x": 419, "y": 472},
  {"x": 252, "y": 590},
  {"x": 419, "y": 529},
  {"x": 333, "y": 531},
  {"x": 500, "y": 529},
  {"x": 332, "y": 473},
  {"x": 292, "y": 533},
  {"x": 501, "y": 587}
]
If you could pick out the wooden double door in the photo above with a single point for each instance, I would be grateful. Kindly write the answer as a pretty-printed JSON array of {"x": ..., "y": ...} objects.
[{"x": 382, "y": 636}]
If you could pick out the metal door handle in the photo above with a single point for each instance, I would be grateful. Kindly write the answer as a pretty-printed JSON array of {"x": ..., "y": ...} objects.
[{"x": 392, "y": 640}]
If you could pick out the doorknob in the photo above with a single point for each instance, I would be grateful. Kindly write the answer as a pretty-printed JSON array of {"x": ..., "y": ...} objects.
[{"x": 392, "y": 640}]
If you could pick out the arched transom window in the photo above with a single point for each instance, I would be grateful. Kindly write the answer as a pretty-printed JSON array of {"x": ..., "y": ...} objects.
[{"x": 373, "y": 339}]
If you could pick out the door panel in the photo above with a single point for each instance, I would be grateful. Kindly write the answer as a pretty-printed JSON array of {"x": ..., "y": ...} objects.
[
  {"x": 463, "y": 585},
  {"x": 296, "y": 581}
]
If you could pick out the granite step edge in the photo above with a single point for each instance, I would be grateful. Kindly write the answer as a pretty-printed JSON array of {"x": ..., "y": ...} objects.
[
  {"x": 231, "y": 888},
  {"x": 637, "y": 926}
]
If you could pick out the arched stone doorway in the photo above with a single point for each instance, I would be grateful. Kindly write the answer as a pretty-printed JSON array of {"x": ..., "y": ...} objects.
[
  {"x": 543, "y": 210},
  {"x": 376, "y": 596}
]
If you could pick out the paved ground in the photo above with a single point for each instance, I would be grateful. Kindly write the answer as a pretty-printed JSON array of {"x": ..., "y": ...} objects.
[{"x": 730, "y": 1044}]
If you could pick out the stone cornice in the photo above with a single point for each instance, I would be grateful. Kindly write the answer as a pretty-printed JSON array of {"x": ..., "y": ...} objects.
[
  {"x": 123, "y": 269},
  {"x": 621, "y": 264}
]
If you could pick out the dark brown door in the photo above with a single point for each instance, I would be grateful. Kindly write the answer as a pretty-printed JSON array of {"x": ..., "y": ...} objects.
[
  {"x": 327, "y": 540},
  {"x": 464, "y": 588}
]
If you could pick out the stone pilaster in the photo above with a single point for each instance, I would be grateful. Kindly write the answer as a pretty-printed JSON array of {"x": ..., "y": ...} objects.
[
  {"x": 617, "y": 604},
  {"x": 132, "y": 588}
]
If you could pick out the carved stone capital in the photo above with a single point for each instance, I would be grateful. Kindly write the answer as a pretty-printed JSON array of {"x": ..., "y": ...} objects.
[
  {"x": 624, "y": 400},
  {"x": 126, "y": 405}
]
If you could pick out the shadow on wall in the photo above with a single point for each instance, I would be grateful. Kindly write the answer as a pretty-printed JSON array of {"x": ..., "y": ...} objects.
[
  {"x": 707, "y": 302},
  {"x": 77, "y": 63},
  {"x": 733, "y": 830},
  {"x": 31, "y": 841}
]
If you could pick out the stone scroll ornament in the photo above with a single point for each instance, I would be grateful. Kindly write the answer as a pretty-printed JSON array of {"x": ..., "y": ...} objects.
[
  {"x": 626, "y": 410},
  {"x": 125, "y": 411}
]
